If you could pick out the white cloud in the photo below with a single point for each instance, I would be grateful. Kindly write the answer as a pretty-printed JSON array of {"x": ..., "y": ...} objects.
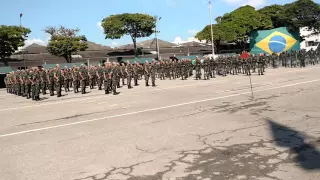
[
  {"x": 114, "y": 43},
  {"x": 28, "y": 42},
  {"x": 171, "y": 3},
  {"x": 192, "y": 32},
  {"x": 233, "y": 1},
  {"x": 254, "y": 3},
  {"x": 99, "y": 24}
]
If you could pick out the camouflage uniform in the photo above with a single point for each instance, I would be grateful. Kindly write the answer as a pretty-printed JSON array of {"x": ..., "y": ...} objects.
[
  {"x": 100, "y": 77},
  {"x": 83, "y": 74},
  {"x": 106, "y": 78},
  {"x": 129, "y": 72},
  {"x": 206, "y": 68},
  {"x": 44, "y": 82},
  {"x": 76, "y": 79},
  {"x": 50, "y": 78},
  {"x": 91, "y": 77},
  {"x": 135, "y": 69},
  {"x": 58, "y": 81},
  {"x": 197, "y": 65},
  {"x": 115, "y": 76},
  {"x": 147, "y": 73}
]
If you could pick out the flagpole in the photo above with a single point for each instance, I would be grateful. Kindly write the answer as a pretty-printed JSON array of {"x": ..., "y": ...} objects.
[
  {"x": 212, "y": 44},
  {"x": 24, "y": 61}
]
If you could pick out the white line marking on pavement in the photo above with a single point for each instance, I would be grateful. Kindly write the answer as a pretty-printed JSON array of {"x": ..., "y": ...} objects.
[
  {"x": 103, "y": 96},
  {"x": 153, "y": 109}
]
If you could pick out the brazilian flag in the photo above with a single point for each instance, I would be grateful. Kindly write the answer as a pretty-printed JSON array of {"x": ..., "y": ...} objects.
[{"x": 274, "y": 41}]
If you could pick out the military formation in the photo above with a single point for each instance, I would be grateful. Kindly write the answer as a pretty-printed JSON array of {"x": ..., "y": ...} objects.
[{"x": 30, "y": 83}]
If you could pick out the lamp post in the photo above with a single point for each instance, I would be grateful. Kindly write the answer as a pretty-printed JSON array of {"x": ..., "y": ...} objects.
[
  {"x": 156, "y": 32},
  {"x": 210, "y": 10}
]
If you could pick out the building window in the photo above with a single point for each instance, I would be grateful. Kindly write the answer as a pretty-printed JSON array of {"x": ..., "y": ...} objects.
[{"x": 311, "y": 43}]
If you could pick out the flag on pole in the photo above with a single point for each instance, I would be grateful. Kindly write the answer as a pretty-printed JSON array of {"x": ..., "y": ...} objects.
[{"x": 21, "y": 15}]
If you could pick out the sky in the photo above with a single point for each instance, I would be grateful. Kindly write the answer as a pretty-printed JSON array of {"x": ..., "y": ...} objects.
[{"x": 179, "y": 18}]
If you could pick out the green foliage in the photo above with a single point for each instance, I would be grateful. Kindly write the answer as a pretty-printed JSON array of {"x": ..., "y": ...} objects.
[
  {"x": 135, "y": 25},
  {"x": 273, "y": 12},
  {"x": 244, "y": 20},
  {"x": 302, "y": 13},
  {"x": 237, "y": 25},
  {"x": 64, "y": 42},
  {"x": 11, "y": 37}
]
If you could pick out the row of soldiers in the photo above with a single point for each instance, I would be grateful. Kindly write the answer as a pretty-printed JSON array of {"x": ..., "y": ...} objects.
[
  {"x": 297, "y": 58},
  {"x": 29, "y": 83}
]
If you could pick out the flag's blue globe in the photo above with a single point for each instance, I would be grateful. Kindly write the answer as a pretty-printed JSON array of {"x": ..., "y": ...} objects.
[{"x": 277, "y": 44}]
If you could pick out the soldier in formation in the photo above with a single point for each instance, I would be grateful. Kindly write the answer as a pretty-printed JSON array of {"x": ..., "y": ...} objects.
[{"x": 30, "y": 83}]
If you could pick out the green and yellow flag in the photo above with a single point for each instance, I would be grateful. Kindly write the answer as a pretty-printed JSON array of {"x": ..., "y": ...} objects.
[{"x": 274, "y": 41}]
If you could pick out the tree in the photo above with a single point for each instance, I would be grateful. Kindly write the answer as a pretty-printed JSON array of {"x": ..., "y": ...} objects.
[
  {"x": 11, "y": 37},
  {"x": 135, "y": 25},
  {"x": 273, "y": 12},
  {"x": 237, "y": 26},
  {"x": 221, "y": 32},
  {"x": 64, "y": 42},
  {"x": 244, "y": 20},
  {"x": 302, "y": 13}
]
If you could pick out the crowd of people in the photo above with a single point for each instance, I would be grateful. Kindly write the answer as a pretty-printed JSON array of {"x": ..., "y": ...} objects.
[{"x": 30, "y": 83}]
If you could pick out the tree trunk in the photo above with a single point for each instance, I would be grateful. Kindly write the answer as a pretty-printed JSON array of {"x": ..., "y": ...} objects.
[
  {"x": 135, "y": 47},
  {"x": 70, "y": 58},
  {"x": 5, "y": 61},
  {"x": 217, "y": 45},
  {"x": 66, "y": 58}
]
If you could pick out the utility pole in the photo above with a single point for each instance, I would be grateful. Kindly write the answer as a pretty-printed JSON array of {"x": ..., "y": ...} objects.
[
  {"x": 156, "y": 32},
  {"x": 210, "y": 10}
]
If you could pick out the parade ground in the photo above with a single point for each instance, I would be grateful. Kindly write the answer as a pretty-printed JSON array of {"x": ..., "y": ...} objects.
[{"x": 188, "y": 130}]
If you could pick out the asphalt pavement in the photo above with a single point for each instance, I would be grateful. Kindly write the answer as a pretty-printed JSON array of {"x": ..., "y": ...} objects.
[{"x": 192, "y": 130}]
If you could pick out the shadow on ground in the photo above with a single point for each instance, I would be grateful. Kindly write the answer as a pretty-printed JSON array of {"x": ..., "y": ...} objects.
[{"x": 307, "y": 156}]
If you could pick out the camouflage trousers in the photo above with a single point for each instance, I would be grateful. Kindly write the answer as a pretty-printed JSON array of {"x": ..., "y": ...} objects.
[
  {"x": 114, "y": 84},
  {"x": 107, "y": 84},
  {"x": 22, "y": 87},
  {"x": 206, "y": 73},
  {"x": 37, "y": 89},
  {"x": 198, "y": 74},
  {"x": 27, "y": 90},
  {"x": 58, "y": 85},
  {"x": 51, "y": 88},
  {"x": 76, "y": 85},
  {"x": 44, "y": 87},
  {"x": 260, "y": 69},
  {"x": 66, "y": 85},
  {"x": 129, "y": 78},
  {"x": 91, "y": 82},
  {"x": 83, "y": 86},
  {"x": 100, "y": 82},
  {"x": 135, "y": 78},
  {"x": 18, "y": 89}
]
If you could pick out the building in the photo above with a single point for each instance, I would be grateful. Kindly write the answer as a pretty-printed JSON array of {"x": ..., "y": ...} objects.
[
  {"x": 311, "y": 39},
  {"x": 178, "y": 40}
]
